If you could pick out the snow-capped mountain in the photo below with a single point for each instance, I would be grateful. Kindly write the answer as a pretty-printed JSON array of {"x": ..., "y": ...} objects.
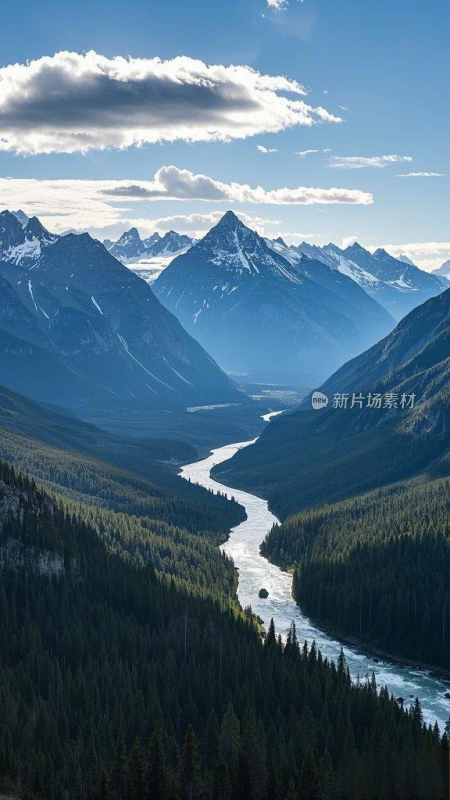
[
  {"x": 396, "y": 283},
  {"x": 76, "y": 326},
  {"x": 22, "y": 240},
  {"x": 443, "y": 272},
  {"x": 267, "y": 313},
  {"x": 401, "y": 286},
  {"x": 130, "y": 248}
]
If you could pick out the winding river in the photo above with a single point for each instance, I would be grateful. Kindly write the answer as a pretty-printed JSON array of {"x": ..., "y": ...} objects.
[{"x": 255, "y": 572}]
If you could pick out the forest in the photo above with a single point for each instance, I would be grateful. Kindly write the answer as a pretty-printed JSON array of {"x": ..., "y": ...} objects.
[
  {"x": 122, "y": 678},
  {"x": 376, "y": 568}
]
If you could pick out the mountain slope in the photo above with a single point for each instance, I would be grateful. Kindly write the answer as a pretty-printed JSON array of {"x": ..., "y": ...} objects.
[
  {"x": 99, "y": 331},
  {"x": 309, "y": 456},
  {"x": 402, "y": 286},
  {"x": 443, "y": 271},
  {"x": 264, "y": 316},
  {"x": 105, "y": 600},
  {"x": 396, "y": 283}
]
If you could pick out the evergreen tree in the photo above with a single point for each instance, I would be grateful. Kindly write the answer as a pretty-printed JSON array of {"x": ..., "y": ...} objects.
[
  {"x": 156, "y": 778},
  {"x": 189, "y": 767},
  {"x": 309, "y": 786}
]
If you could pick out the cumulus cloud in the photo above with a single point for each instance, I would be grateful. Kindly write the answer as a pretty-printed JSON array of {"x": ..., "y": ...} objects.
[
  {"x": 359, "y": 162},
  {"x": 84, "y": 204},
  {"x": 421, "y": 175},
  {"x": 73, "y": 102},
  {"x": 277, "y": 4},
  {"x": 261, "y": 149},
  {"x": 171, "y": 183}
]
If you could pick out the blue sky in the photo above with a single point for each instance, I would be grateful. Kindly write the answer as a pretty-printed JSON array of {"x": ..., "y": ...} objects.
[{"x": 382, "y": 68}]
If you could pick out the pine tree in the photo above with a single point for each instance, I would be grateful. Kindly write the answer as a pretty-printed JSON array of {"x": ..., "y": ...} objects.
[
  {"x": 230, "y": 740},
  {"x": 309, "y": 787},
  {"x": 242, "y": 787},
  {"x": 189, "y": 767},
  {"x": 291, "y": 793},
  {"x": 156, "y": 778},
  {"x": 221, "y": 780}
]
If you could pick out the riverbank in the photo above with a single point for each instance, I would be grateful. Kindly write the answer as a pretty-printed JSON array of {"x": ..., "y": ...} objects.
[
  {"x": 256, "y": 572},
  {"x": 365, "y": 647}
]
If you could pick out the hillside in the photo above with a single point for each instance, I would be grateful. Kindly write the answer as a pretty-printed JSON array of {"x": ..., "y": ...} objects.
[
  {"x": 124, "y": 640},
  {"x": 375, "y": 568},
  {"x": 79, "y": 329},
  {"x": 313, "y": 456}
]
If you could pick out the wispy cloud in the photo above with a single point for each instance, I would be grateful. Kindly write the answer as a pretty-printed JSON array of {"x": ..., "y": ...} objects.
[
  {"x": 304, "y": 153},
  {"x": 421, "y": 175},
  {"x": 262, "y": 149},
  {"x": 359, "y": 162},
  {"x": 73, "y": 102}
]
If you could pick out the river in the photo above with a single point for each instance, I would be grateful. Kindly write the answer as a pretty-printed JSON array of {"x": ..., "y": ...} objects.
[{"x": 255, "y": 572}]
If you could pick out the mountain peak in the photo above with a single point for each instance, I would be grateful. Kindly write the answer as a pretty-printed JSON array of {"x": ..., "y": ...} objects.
[
  {"x": 21, "y": 217},
  {"x": 133, "y": 233},
  {"x": 230, "y": 220},
  {"x": 382, "y": 253},
  {"x": 8, "y": 217},
  {"x": 356, "y": 248},
  {"x": 34, "y": 227}
]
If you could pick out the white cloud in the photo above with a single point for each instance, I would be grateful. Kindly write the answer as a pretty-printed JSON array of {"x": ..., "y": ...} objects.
[
  {"x": 73, "y": 102},
  {"x": 347, "y": 241},
  {"x": 358, "y": 162},
  {"x": 171, "y": 183},
  {"x": 262, "y": 149},
  {"x": 196, "y": 225},
  {"x": 84, "y": 204},
  {"x": 419, "y": 249},
  {"x": 277, "y": 4},
  {"x": 427, "y": 255},
  {"x": 303, "y": 153},
  {"x": 421, "y": 175}
]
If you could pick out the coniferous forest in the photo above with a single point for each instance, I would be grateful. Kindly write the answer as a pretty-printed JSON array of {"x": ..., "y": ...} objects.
[
  {"x": 376, "y": 568},
  {"x": 125, "y": 675}
]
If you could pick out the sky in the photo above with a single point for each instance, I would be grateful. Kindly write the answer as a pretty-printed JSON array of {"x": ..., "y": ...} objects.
[{"x": 316, "y": 120}]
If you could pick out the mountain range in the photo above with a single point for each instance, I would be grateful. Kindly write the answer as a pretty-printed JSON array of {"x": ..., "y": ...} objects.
[
  {"x": 130, "y": 247},
  {"x": 396, "y": 283},
  {"x": 78, "y": 327},
  {"x": 312, "y": 456},
  {"x": 267, "y": 312}
]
